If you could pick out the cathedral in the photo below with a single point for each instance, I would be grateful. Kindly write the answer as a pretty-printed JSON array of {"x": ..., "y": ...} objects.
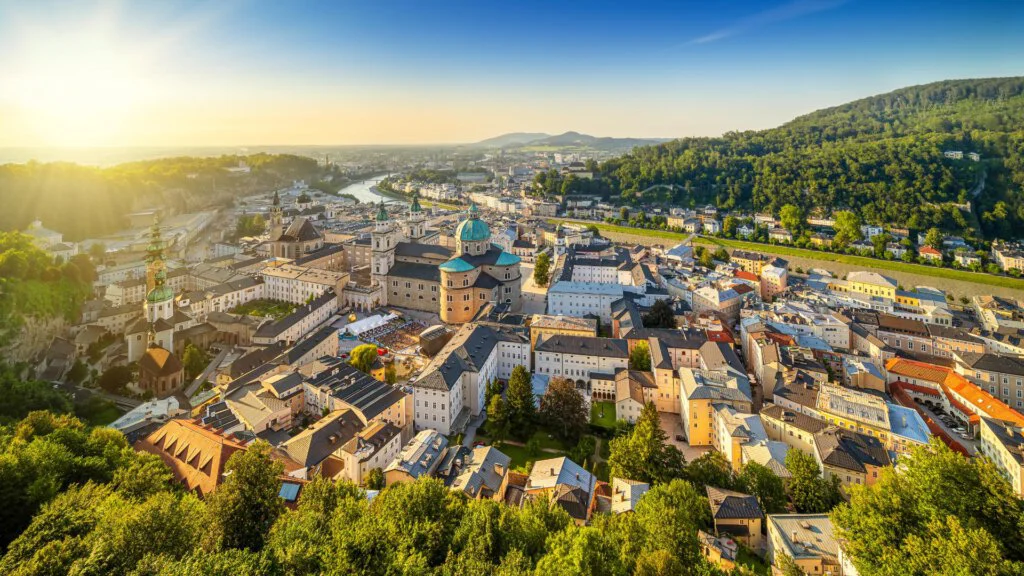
[
  {"x": 455, "y": 284},
  {"x": 299, "y": 239}
]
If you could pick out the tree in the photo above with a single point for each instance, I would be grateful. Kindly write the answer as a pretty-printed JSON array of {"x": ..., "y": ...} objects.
[
  {"x": 644, "y": 453},
  {"x": 729, "y": 226},
  {"x": 624, "y": 213},
  {"x": 792, "y": 218},
  {"x": 847, "y": 227},
  {"x": 195, "y": 360},
  {"x": 760, "y": 482},
  {"x": 499, "y": 419},
  {"x": 934, "y": 238},
  {"x": 246, "y": 504},
  {"x": 941, "y": 513},
  {"x": 79, "y": 371},
  {"x": 583, "y": 450},
  {"x": 375, "y": 479},
  {"x": 710, "y": 469},
  {"x": 810, "y": 493},
  {"x": 521, "y": 401},
  {"x": 250, "y": 225},
  {"x": 661, "y": 315},
  {"x": 97, "y": 251},
  {"x": 494, "y": 386},
  {"x": 564, "y": 409},
  {"x": 363, "y": 357},
  {"x": 640, "y": 357},
  {"x": 722, "y": 255},
  {"x": 115, "y": 378},
  {"x": 542, "y": 269}
]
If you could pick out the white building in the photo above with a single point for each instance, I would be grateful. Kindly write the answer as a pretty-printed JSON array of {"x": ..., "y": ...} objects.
[
  {"x": 297, "y": 284},
  {"x": 576, "y": 357},
  {"x": 452, "y": 387},
  {"x": 568, "y": 298}
]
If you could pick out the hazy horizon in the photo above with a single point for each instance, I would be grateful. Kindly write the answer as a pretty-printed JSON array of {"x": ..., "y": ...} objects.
[{"x": 243, "y": 73}]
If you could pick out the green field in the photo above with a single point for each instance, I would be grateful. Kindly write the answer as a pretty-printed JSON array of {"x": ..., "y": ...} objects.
[
  {"x": 896, "y": 266},
  {"x": 607, "y": 420}
]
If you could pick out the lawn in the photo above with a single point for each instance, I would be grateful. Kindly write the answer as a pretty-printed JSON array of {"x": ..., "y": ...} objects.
[
  {"x": 547, "y": 440},
  {"x": 603, "y": 414},
  {"x": 97, "y": 411},
  {"x": 263, "y": 307},
  {"x": 520, "y": 457},
  {"x": 894, "y": 265}
]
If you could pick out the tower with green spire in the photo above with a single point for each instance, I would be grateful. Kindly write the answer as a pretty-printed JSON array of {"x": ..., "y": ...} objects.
[{"x": 417, "y": 226}]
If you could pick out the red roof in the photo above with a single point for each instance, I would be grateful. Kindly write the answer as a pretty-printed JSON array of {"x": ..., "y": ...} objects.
[
  {"x": 929, "y": 251},
  {"x": 744, "y": 275}
]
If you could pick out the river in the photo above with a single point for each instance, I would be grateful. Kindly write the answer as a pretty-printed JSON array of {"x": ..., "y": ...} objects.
[{"x": 364, "y": 192}]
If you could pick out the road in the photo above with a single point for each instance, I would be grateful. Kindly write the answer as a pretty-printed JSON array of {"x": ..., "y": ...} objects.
[
  {"x": 79, "y": 393},
  {"x": 205, "y": 374},
  {"x": 471, "y": 427}
]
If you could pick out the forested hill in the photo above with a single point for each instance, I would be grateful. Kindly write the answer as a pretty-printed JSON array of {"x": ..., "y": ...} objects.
[
  {"x": 84, "y": 201},
  {"x": 882, "y": 156}
]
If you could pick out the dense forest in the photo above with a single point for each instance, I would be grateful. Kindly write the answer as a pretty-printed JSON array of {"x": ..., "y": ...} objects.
[
  {"x": 85, "y": 201},
  {"x": 33, "y": 284},
  {"x": 880, "y": 156}
]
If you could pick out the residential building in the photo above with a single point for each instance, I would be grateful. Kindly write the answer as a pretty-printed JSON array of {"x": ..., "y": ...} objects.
[
  {"x": 451, "y": 388},
  {"x": 483, "y": 474},
  {"x": 1002, "y": 376},
  {"x": 546, "y": 325},
  {"x": 418, "y": 459},
  {"x": 737, "y": 515},
  {"x": 634, "y": 389},
  {"x": 807, "y": 539},
  {"x": 1003, "y": 444},
  {"x": 566, "y": 484},
  {"x": 576, "y": 357},
  {"x": 854, "y": 458},
  {"x": 795, "y": 429}
]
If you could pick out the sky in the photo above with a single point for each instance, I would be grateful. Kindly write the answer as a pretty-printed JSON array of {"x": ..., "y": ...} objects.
[{"x": 305, "y": 72}]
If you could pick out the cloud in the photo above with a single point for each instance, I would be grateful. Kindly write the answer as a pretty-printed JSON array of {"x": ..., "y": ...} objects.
[{"x": 788, "y": 11}]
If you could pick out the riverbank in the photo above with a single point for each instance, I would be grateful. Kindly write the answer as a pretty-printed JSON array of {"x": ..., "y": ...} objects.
[{"x": 956, "y": 282}]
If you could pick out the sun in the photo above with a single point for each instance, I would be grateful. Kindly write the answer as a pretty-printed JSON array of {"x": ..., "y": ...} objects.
[{"x": 78, "y": 89}]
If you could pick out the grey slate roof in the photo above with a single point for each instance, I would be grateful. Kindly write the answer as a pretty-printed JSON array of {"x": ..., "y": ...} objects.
[
  {"x": 796, "y": 419},
  {"x": 585, "y": 345},
  {"x": 415, "y": 271},
  {"x": 994, "y": 363},
  {"x": 849, "y": 450},
  {"x": 727, "y": 504},
  {"x": 431, "y": 251},
  {"x": 358, "y": 389},
  {"x": 465, "y": 352}
]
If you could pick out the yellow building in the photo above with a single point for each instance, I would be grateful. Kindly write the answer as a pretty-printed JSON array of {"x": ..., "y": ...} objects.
[
  {"x": 549, "y": 325},
  {"x": 869, "y": 283},
  {"x": 752, "y": 262},
  {"x": 700, "y": 391}
]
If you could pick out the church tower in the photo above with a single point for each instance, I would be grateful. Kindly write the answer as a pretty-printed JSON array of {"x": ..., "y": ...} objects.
[
  {"x": 416, "y": 220},
  {"x": 159, "y": 302},
  {"x": 276, "y": 227},
  {"x": 383, "y": 245}
]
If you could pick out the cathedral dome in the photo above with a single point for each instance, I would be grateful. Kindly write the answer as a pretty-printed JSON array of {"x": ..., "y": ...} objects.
[
  {"x": 473, "y": 229},
  {"x": 382, "y": 214},
  {"x": 415, "y": 207}
]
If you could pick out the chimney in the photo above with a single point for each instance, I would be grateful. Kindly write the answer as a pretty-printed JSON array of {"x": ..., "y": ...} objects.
[{"x": 794, "y": 537}]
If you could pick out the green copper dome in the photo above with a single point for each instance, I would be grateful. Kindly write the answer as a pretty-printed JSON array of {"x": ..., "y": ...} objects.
[
  {"x": 456, "y": 265},
  {"x": 506, "y": 259},
  {"x": 160, "y": 294},
  {"x": 382, "y": 214},
  {"x": 473, "y": 229},
  {"x": 415, "y": 207}
]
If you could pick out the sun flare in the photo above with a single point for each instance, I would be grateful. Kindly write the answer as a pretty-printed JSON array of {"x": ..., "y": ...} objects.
[{"x": 77, "y": 90}]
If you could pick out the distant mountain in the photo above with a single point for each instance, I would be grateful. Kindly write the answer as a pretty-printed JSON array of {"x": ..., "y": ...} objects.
[
  {"x": 511, "y": 139},
  {"x": 517, "y": 139}
]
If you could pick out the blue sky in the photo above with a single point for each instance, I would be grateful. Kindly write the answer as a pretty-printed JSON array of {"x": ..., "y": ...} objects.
[{"x": 317, "y": 72}]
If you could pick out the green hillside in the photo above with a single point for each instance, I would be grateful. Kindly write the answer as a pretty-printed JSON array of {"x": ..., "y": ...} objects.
[{"x": 882, "y": 156}]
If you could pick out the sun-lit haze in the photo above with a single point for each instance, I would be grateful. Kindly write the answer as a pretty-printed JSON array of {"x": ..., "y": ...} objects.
[{"x": 251, "y": 72}]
